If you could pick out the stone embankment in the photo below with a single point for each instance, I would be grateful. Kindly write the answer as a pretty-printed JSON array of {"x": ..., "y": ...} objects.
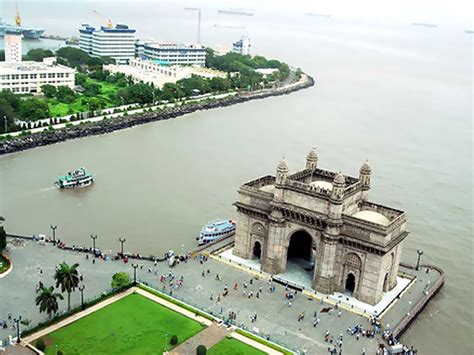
[{"x": 110, "y": 125}]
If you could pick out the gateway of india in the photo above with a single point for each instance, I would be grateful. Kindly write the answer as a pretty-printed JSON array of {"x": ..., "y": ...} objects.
[{"x": 324, "y": 222}]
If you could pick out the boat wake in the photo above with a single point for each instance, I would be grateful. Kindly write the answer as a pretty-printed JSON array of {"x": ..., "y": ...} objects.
[{"x": 49, "y": 188}]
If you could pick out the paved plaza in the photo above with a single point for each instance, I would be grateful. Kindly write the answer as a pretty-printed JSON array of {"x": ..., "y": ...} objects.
[{"x": 276, "y": 320}]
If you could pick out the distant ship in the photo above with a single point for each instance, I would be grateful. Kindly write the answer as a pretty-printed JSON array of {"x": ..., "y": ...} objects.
[
  {"x": 27, "y": 32},
  {"x": 317, "y": 15},
  {"x": 469, "y": 31},
  {"x": 216, "y": 230},
  {"x": 423, "y": 24},
  {"x": 235, "y": 12},
  {"x": 76, "y": 178}
]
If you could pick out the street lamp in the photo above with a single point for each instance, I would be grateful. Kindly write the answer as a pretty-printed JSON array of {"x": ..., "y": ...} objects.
[
  {"x": 153, "y": 92},
  {"x": 135, "y": 266},
  {"x": 93, "y": 237},
  {"x": 5, "y": 123},
  {"x": 420, "y": 253},
  {"x": 17, "y": 322},
  {"x": 164, "y": 345},
  {"x": 122, "y": 240},
  {"x": 53, "y": 228},
  {"x": 81, "y": 288}
]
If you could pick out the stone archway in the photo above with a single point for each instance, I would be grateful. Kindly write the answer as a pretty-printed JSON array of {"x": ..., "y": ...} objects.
[
  {"x": 352, "y": 271},
  {"x": 300, "y": 257},
  {"x": 350, "y": 283},
  {"x": 300, "y": 245},
  {"x": 257, "y": 250}
]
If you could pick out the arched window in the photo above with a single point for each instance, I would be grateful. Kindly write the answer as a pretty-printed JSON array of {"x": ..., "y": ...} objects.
[{"x": 353, "y": 261}]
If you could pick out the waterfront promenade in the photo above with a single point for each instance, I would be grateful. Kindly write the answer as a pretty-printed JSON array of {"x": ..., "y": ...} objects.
[{"x": 33, "y": 262}]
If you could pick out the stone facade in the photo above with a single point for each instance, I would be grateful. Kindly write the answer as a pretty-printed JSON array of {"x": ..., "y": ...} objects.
[{"x": 325, "y": 219}]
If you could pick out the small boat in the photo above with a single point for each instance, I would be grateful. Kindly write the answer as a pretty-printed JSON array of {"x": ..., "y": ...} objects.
[
  {"x": 216, "y": 230},
  {"x": 76, "y": 178}
]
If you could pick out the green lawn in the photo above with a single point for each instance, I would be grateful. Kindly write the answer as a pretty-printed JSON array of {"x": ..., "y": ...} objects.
[
  {"x": 132, "y": 325},
  {"x": 4, "y": 264},
  {"x": 231, "y": 346},
  {"x": 107, "y": 92}
]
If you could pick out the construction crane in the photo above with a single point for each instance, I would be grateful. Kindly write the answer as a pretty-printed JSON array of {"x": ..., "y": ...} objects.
[
  {"x": 17, "y": 17},
  {"x": 108, "y": 23},
  {"x": 199, "y": 21}
]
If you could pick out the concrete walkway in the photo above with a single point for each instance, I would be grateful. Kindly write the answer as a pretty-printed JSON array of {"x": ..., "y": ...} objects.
[{"x": 208, "y": 337}]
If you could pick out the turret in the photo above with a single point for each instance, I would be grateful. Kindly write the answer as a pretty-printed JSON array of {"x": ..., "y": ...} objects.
[
  {"x": 364, "y": 177},
  {"x": 281, "y": 172},
  {"x": 337, "y": 197},
  {"x": 312, "y": 159}
]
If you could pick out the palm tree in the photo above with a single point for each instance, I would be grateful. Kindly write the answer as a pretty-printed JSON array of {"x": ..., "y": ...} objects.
[
  {"x": 68, "y": 278},
  {"x": 47, "y": 300}
]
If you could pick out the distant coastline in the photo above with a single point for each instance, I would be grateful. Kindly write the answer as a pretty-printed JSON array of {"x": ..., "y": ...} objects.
[{"x": 110, "y": 125}]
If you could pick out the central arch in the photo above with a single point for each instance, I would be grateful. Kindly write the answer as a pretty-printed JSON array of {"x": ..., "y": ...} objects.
[
  {"x": 300, "y": 258},
  {"x": 300, "y": 246}
]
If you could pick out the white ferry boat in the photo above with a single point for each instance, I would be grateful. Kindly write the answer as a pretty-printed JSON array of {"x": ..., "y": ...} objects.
[
  {"x": 216, "y": 230},
  {"x": 76, "y": 178}
]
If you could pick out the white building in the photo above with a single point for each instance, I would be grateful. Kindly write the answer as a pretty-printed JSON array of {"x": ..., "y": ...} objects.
[
  {"x": 150, "y": 71},
  {"x": 115, "y": 42},
  {"x": 28, "y": 77},
  {"x": 12, "y": 43},
  {"x": 172, "y": 53},
  {"x": 242, "y": 46}
]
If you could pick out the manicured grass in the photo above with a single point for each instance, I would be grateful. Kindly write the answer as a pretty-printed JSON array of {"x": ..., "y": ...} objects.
[
  {"x": 4, "y": 264},
  {"x": 132, "y": 325},
  {"x": 107, "y": 92},
  {"x": 231, "y": 346},
  {"x": 57, "y": 108}
]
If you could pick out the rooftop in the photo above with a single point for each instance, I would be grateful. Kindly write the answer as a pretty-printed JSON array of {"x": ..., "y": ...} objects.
[{"x": 30, "y": 66}]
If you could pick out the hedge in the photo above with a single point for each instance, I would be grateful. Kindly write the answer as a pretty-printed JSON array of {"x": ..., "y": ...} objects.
[
  {"x": 263, "y": 341},
  {"x": 176, "y": 302}
]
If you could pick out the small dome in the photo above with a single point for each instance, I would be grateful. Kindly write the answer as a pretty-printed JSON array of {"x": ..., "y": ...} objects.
[
  {"x": 282, "y": 166},
  {"x": 312, "y": 155},
  {"x": 365, "y": 168},
  {"x": 339, "y": 179},
  {"x": 372, "y": 216}
]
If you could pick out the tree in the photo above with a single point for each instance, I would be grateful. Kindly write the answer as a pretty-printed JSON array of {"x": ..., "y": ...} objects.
[
  {"x": 91, "y": 89},
  {"x": 95, "y": 104},
  {"x": 6, "y": 112},
  {"x": 120, "y": 279},
  {"x": 34, "y": 109},
  {"x": 49, "y": 90},
  {"x": 3, "y": 235},
  {"x": 80, "y": 79},
  {"x": 201, "y": 350},
  {"x": 65, "y": 94},
  {"x": 140, "y": 93},
  {"x": 174, "y": 340},
  {"x": 68, "y": 278},
  {"x": 47, "y": 300},
  {"x": 38, "y": 54}
]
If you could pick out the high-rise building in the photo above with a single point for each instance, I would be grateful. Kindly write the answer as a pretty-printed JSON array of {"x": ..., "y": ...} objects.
[
  {"x": 172, "y": 53},
  {"x": 242, "y": 46},
  {"x": 12, "y": 47},
  {"x": 115, "y": 42}
]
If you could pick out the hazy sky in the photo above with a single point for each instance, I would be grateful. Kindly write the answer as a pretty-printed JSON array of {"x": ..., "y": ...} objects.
[{"x": 454, "y": 12}]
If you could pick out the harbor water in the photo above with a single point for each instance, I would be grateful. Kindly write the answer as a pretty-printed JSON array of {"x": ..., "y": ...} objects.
[{"x": 398, "y": 95}]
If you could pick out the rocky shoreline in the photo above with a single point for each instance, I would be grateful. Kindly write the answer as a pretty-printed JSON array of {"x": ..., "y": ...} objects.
[{"x": 110, "y": 125}]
